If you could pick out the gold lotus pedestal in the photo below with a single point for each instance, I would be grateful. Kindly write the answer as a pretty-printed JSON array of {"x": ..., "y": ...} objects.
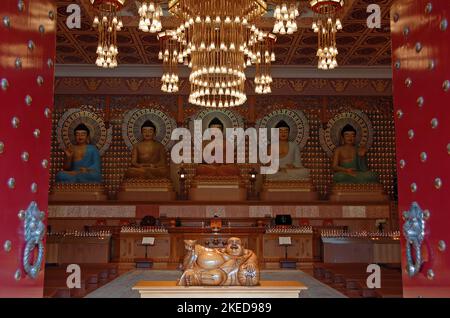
[
  {"x": 370, "y": 192},
  {"x": 137, "y": 189},
  {"x": 77, "y": 192},
  {"x": 289, "y": 191},
  {"x": 223, "y": 188},
  {"x": 266, "y": 289}
]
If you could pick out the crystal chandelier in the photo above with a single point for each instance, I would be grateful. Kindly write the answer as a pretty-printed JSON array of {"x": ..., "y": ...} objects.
[
  {"x": 150, "y": 17},
  {"x": 107, "y": 24},
  {"x": 169, "y": 54},
  {"x": 285, "y": 14},
  {"x": 326, "y": 26},
  {"x": 214, "y": 37},
  {"x": 264, "y": 56}
]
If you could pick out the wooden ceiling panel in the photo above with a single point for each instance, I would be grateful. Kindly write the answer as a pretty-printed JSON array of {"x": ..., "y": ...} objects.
[{"x": 357, "y": 44}]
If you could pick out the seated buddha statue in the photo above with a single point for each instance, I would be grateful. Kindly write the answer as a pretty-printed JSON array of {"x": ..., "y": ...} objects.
[
  {"x": 232, "y": 265},
  {"x": 349, "y": 161},
  {"x": 217, "y": 169},
  {"x": 148, "y": 157},
  {"x": 292, "y": 182},
  {"x": 82, "y": 162},
  {"x": 290, "y": 166},
  {"x": 148, "y": 177}
]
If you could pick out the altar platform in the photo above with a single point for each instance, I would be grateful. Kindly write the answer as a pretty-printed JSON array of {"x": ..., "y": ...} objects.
[
  {"x": 191, "y": 220},
  {"x": 266, "y": 289}
]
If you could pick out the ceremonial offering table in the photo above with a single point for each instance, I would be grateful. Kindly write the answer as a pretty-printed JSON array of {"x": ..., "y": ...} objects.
[
  {"x": 187, "y": 220},
  {"x": 266, "y": 289},
  {"x": 362, "y": 248},
  {"x": 299, "y": 251},
  {"x": 78, "y": 248},
  {"x": 169, "y": 245}
]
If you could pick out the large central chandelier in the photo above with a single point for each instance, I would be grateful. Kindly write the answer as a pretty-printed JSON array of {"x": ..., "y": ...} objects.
[
  {"x": 214, "y": 35},
  {"x": 107, "y": 24},
  {"x": 216, "y": 39},
  {"x": 326, "y": 25}
]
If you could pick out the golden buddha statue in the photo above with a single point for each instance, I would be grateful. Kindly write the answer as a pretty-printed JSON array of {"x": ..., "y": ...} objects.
[
  {"x": 349, "y": 161},
  {"x": 229, "y": 266},
  {"x": 149, "y": 157},
  {"x": 217, "y": 169},
  {"x": 148, "y": 177},
  {"x": 217, "y": 181}
]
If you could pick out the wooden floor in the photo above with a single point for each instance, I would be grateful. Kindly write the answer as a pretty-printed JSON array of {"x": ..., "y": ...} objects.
[
  {"x": 93, "y": 276},
  {"x": 351, "y": 279}
]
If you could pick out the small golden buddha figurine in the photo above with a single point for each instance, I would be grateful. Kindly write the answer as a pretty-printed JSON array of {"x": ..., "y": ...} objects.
[
  {"x": 217, "y": 169},
  {"x": 349, "y": 161},
  {"x": 149, "y": 157},
  {"x": 229, "y": 266},
  {"x": 82, "y": 162},
  {"x": 291, "y": 167}
]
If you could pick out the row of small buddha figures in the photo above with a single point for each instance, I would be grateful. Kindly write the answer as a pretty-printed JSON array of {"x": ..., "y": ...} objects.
[
  {"x": 82, "y": 162},
  {"x": 360, "y": 234},
  {"x": 75, "y": 233},
  {"x": 289, "y": 229},
  {"x": 144, "y": 229}
]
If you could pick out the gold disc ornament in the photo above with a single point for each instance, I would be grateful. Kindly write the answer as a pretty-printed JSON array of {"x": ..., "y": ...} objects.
[
  {"x": 99, "y": 135},
  {"x": 330, "y": 138}
]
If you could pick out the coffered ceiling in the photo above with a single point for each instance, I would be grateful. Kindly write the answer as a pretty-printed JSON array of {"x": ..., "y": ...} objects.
[{"x": 358, "y": 45}]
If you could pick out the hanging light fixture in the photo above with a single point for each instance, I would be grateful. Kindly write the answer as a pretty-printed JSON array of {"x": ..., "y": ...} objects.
[
  {"x": 326, "y": 25},
  {"x": 263, "y": 61},
  {"x": 169, "y": 53},
  {"x": 285, "y": 14},
  {"x": 150, "y": 16},
  {"x": 214, "y": 35},
  {"x": 107, "y": 23}
]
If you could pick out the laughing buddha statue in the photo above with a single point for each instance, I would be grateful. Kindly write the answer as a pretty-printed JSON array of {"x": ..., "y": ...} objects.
[{"x": 229, "y": 266}]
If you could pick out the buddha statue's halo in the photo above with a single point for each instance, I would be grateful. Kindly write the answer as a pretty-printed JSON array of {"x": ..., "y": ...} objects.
[
  {"x": 135, "y": 118},
  {"x": 330, "y": 138},
  {"x": 294, "y": 118},
  {"x": 99, "y": 135},
  {"x": 228, "y": 118}
]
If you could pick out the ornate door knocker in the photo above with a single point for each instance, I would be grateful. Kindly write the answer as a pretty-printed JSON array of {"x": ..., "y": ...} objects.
[
  {"x": 34, "y": 235},
  {"x": 414, "y": 232}
]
